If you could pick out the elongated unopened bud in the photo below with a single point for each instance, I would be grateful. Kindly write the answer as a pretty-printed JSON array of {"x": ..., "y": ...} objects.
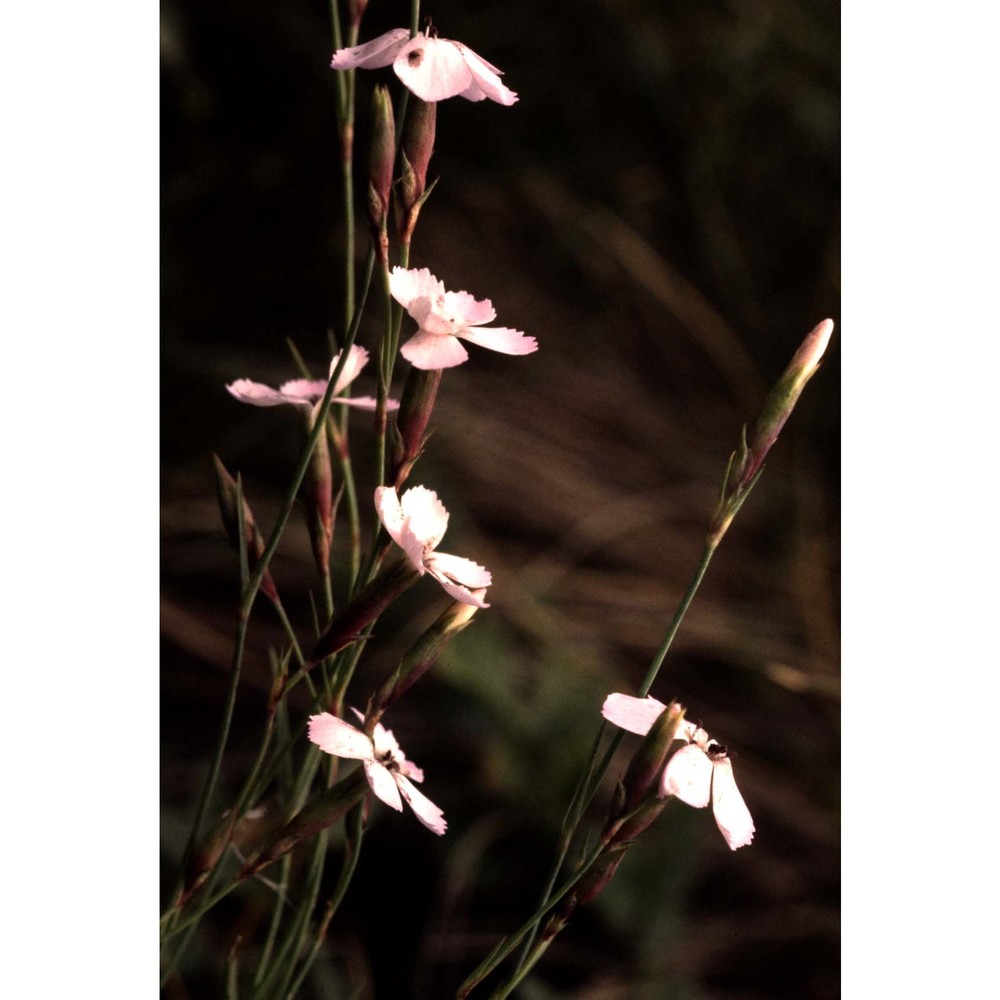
[
  {"x": 647, "y": 764},
  {"x": 418, "y": 147},
  {"x": 781, "y": 400},
  {"x": 423, "y": 654},
  {"x": 365, "y": 607},
  {"x": 355, "y": 8},
  {"x": 415, "y": 409},
  {"x": 748, "y": 460},
  {"x": 228, "y": 491},
  {"x": 322, "y": 811},
  {"x": 318, "y": 497},
  {"x": 381, "y": 157}
]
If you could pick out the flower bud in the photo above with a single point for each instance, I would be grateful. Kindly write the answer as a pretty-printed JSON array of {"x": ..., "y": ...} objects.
[
  {"x": 423, "y": 654},
  {"x": 415, "y": 408},
  {"x": 228, "y": 491},
  {"x": 355, "y": 8},
  {"x": 418, "y": 147},
  {"x": 648, "y": 762},
  {"x": 318, "y": 497},
  {"x": 323, "y": 811},
  {"x": 782, "y": 399},
  {"x": 364, "y": 608},
  {"x": 746, "y": 463},
  {"x": 381, "y": 157}
]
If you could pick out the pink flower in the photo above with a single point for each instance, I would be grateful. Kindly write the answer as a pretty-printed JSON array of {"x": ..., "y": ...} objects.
[
  {"x": 305, "y": 392},
  {"x": 388, "y": 771},
  {"x": 417, "y": 524},
  {"x": 697, "y": 773},
  {"x": 433, "y": 68},
  {"x": 443, "y": 317}
]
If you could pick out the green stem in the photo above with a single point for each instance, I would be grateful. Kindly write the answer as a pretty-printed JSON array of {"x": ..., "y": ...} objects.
[
  {"x": 593, "y": 776},
  {"x": 354, "y": 831}
]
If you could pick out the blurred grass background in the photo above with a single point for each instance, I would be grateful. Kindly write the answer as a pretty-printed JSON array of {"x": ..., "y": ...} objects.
[{"x": 661, "y": 210}]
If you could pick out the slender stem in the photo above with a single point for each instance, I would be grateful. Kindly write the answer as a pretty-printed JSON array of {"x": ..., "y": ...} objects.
[
  {"x": 355, "y": 830},
  {"x": 272, "y": 930},
  {"x": 591, "y": 779},
  {"x": 508, "y": 944}
]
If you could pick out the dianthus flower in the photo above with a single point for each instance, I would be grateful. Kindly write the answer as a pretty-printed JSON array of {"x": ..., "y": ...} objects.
[
  {"x": 305, "y": 392},
  {"x": 388, "y": 771},
  {"x": 433, "y": 68},
  {"x": 443, "y": 317},
  {"x": 698, "y": 773},
  {"x": 417, "y": 523}
]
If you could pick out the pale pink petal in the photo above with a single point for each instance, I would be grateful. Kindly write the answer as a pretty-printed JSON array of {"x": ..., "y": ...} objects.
[
  {"x": 637, "y": 715},
  {"x": 486, "y": 78},
  {"x": 463, "y": 571},
  {"x": 390, "y": 513},
  {"x": 408, "y": 768},
  {"x": 429, "y": 814},
  {"x": 731, "y": 813},
  {"x": 356, "y": 360},
  {"x": 384, "y": 741},
  {"x": 424, "y": 516},
  {"x": 378, "y": 52},
  {"x": 498, "y": 338},
  {"x": 433, "y": 68},
  {"x": 468, "y": 310},
  {"x": 474, "y": 598},
  {"x": 339, "y": 738},
  {"x": 362, "y": 402},
  {"x": 430, "y": 351},
  {"x": 305, "y": 390},
  {"x": 257, "y": 394},
  {"x": 383, "y": 784},
  {"x": 417, "y": 283},
  {"x": 688, "y": 775}
]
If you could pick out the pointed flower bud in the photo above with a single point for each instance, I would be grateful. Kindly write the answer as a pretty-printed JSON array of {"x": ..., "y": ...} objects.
[
  {"x": 747, "y": 462},
  {"x": 381, "y": 157},
  {"x": 424, "y": 653},
  {"x": 365, "y": 607},
  {"x": 418, "y": 146},
  {"x": 318, "y": 496},
  {"x": 419, "y": 395},
  {"x": 647, "y": 765},
  {"x": 323, "y": 811},
  {"x": 355, "y": 9},
  {"x": 228, "y": 491}
]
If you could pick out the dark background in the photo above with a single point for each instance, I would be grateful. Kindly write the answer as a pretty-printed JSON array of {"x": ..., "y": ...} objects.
[{"x": 661, "y": 210}]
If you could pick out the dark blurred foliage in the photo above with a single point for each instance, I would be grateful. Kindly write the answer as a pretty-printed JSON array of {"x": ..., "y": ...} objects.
[{"x": 660, "y": 210}]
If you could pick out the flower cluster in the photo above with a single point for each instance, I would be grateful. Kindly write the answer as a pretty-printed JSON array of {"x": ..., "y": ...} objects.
[
  {"x": 697, "y": 773},
  {"x": 390, "y": 775},
  {"x": 433, "y": 68}
]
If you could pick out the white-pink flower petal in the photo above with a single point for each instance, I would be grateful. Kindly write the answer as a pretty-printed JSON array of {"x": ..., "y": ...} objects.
[
  {"x": 636, "y": 715},
  {"x": 378, "y": 52},
  {"x": 431, "y": 351},
  {"x": 334, "y": 736},
  {"x": 500, "y": 339},
  {"x": 731, "y": 813},
  {"x": 688, "y": 775},
  {"x": 433, "y": 68},
  {"x": 424, "y": 515},
  {"x": 383, "y": 783},
  {"x": 485, "y": 80},
  {"x": 429, "y": 814},
  {"x": 257, "y": 394}
]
